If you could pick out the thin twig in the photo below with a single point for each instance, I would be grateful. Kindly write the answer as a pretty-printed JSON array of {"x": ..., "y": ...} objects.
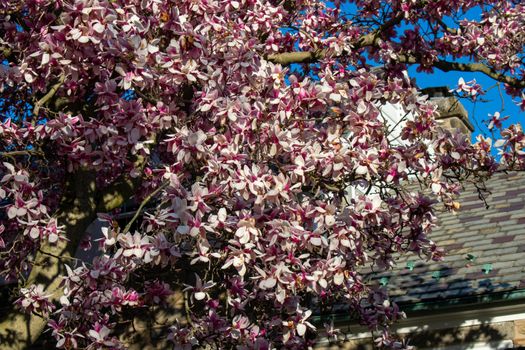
[
  {"x": 187, "y": 308},
  {"x": 144, "y": 202},
  {"x": 63, "y": 257},
  {"x": 501, "y": 97}
]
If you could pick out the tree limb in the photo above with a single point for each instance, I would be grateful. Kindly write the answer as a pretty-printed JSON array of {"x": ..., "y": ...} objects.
[
  {"x": 6, "y": 51},
  {"x": 15, "y": 9},
  {"x": 77, "y": 210},
  {"x": 447, "y": 66},
  {"x": 370, "y": 39},
  {"x": 27, "y": 152},
  {"x": 287, "y": 58},
  {"x": 49, "y": 95}
]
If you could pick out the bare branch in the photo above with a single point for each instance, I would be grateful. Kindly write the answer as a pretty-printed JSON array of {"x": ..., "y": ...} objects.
[
  {"x": 49, "y": 95},
  {"x": 444, "y": 26},
  {"x": 447, "y": 66},
  {"x": 288, "y": 58}
]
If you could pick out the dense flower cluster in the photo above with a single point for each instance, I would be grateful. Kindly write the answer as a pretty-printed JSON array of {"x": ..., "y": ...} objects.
[{"x": 265, "y": 191}]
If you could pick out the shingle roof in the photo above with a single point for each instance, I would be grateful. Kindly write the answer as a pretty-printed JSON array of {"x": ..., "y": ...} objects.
[{"x": 485, "y": 249}]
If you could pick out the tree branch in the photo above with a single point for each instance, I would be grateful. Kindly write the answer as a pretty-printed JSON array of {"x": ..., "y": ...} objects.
[
  {"x": 15, "y": 9},
  {"x": 49, "y": 95},
  {"x": 144, "y": 202},
  {"x": 366, "y": 40},
  {"x": 287, "y": 58},
  {"x": 447, "y": 66},
  {"x": 76, "y": 212},
  {"x": 372, "y": 39},
  {"x": 27, "y": 152},
  {"x": 6, "y": 51}
]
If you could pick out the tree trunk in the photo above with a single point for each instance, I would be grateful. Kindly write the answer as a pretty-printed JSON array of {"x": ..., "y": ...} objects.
[
  {"x": 77, "y": 210},
  {"x": 79, "y": 207}
]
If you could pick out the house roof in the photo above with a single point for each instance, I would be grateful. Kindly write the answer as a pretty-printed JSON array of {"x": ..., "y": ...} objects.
[{"x": 485, "y": 252}]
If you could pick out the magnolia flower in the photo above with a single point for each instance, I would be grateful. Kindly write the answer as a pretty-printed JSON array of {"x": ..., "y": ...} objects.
[
  {"x": 259, "y": 157},
  {"x": 128, "y": 78},
  {"x": 2, "y": 243},
  {"x": 496, "y": 121},
  {"x": 200, "y": 290},
  {"x": 298, "y": 325},
  {"x": 100, "y": 336},
  {"x": 239, "y": 325},
  {"x": 157, "y": 291},
  {"x": 246, "y": 231},
  {"x": 33, "y": 299},
  {"x": 182, "y": 337},
  {"x": 137, "y": 246},
  {"x": 331, "y": 332},
  {"x": 470, "y": 88}
]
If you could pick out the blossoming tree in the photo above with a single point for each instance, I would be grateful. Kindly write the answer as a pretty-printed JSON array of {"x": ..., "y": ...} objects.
[{"x": 237, "y": 161}]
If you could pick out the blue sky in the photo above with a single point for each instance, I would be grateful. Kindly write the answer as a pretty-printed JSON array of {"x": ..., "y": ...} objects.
[{"x": 489, "y": 103}]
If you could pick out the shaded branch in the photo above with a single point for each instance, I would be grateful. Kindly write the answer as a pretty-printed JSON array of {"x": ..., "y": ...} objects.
[
  {"x": 14, "y": 9},
  {"x": 187, "y": 308},
  {"x": 145, "y": 97},
  {"x": 144, "y": 202},
  {"x": 77, "y": 210},
  {"x": 6, "y": 51},
  {"x": 26, "y": 152},
  {"x": 49, "y": 95}
]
